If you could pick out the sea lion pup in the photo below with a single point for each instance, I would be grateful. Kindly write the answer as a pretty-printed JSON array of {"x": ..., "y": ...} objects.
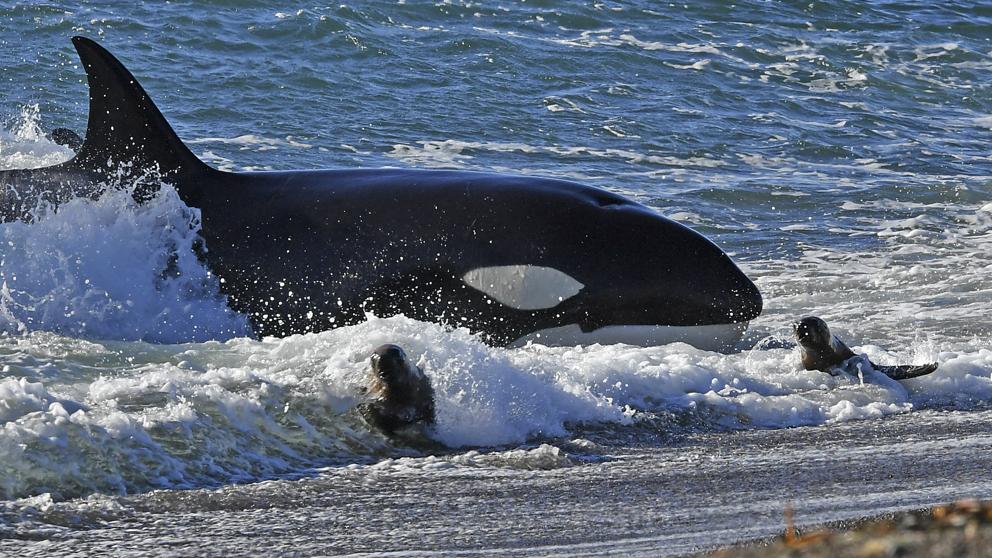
[
  {"x": 822, "y": 351},
  {"x": 399, "y": 393}
]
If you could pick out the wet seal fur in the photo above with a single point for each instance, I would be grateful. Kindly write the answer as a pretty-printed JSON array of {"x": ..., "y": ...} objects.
[
  {"x": 824, "y": 352},
  {"x": 399, "y": 393}
]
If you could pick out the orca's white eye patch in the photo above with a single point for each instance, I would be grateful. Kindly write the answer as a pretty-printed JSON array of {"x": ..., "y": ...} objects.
[{"x": 524, "y": 287}]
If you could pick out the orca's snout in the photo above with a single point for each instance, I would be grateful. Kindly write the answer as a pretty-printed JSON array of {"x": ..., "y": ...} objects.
[
  {"x": 715, "y": 291},
  {"x": 729, "y": 300},
  {"x": 653, "y": 271},
  {"x": 744, "y": 302},
  {"x": 695, "y": 281}
]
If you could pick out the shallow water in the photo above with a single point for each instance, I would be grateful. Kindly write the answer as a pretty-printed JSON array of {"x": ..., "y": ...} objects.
[
  {"x": 838, "y": 151},
  {"x": 670, "y": 497}
]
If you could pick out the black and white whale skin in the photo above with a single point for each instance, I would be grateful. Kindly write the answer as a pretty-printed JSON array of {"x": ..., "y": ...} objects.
[
  {"x": 823, "y": 351},
  {"x": 514, "y": 258}
]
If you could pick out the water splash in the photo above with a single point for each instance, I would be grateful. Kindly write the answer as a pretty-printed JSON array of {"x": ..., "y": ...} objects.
[
  {"x": 25, "y": 146},
  {"x": 108, "y": 267}
]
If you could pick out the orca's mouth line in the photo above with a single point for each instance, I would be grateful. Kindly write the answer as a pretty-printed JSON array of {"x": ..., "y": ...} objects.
[{"x": 516, "y": 257}]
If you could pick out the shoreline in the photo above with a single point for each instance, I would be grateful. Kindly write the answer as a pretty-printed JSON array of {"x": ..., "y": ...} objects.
[{"x": 960, "y": 529}]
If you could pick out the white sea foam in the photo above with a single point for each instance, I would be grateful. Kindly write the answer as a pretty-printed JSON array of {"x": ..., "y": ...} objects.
[
  {"x": 80, "y": 417},
  {"x": 924, "y": 279},
  {"x": 109, "y": 267},
  {"x": 25, "y": 145},
  {"x": 255, "y": 142},
  {"x": 447, "y": 153},
  {"x": 241, "y": 410},
  {"x": 543, "y": 457},
  {"x": 927, "y": 52}
]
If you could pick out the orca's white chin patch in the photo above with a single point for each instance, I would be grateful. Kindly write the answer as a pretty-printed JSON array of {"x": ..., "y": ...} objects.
[{"x": 718, "y": 337}]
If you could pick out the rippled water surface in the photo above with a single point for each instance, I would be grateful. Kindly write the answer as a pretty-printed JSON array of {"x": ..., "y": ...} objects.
[{"x": 838, "y": 150}]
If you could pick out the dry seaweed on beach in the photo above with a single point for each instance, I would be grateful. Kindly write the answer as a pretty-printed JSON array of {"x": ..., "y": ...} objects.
[{"x": 962, "y": 529}]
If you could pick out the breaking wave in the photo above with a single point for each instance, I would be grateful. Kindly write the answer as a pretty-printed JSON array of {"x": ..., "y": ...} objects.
[{"x": 88, "y": 404}]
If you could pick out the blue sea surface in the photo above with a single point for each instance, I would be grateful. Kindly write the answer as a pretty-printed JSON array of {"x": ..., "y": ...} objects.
[
  {"x": 715, "y": 109},
  {"x": 839, "y": 151}
]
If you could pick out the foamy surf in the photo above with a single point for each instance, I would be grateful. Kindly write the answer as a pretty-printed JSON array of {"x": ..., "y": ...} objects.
[
  {"x": 89, "y": 406},
  {"x": 105, "y": 268},
  {"x": 25, "y": 146},
  {"x": 181, "y": 416}
]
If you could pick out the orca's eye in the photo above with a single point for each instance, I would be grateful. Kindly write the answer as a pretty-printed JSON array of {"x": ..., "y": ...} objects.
[{"x": 524, "y": 287}]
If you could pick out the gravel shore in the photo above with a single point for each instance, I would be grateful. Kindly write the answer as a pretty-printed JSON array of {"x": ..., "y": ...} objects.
[{"x": 963, "y": 529}]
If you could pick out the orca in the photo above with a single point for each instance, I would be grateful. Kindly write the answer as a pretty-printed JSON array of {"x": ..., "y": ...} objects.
[{"x": 513, "y": 258}]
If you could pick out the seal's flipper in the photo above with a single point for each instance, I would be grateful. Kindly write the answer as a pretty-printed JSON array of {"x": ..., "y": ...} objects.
[
  {"x": 906, "y": 371},
  {"x": 124, "y": 124}
]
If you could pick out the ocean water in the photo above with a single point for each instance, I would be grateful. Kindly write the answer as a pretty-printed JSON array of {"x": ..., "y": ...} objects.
[{"x": 839, "y": 151}]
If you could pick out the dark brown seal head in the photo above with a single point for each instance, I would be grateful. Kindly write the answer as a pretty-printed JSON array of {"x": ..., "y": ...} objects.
[
  {"x": 823, "y": 351},
  {"x": 820, "y": 350},
  {"x": 399, "y": 393}
]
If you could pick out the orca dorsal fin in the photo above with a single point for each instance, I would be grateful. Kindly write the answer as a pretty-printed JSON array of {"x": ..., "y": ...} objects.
[{"x": 124, "y": 124}]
